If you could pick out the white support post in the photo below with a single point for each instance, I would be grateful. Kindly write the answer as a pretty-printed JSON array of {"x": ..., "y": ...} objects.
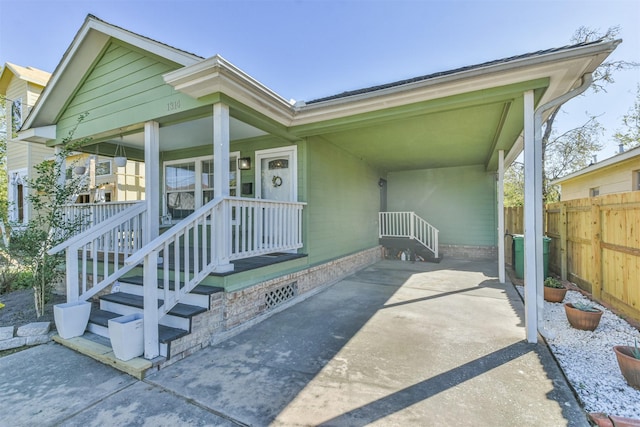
[
  {"x": 530, "y": 235},
  {"x": 73, "y": 293},
  {"x": 151, "y": 231},
  {"x": 150, "y": 300},
  {"x": 221, "y": 141},
  {"x": 538, "y": 221},
  {"x": 152, "y": 176},
  {"x": 221, "y": 150},
  {"x": 501, "y": 271}
]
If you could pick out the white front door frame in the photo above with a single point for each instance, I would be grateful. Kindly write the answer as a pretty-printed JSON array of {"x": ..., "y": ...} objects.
[{"x": 292, "y": 152}]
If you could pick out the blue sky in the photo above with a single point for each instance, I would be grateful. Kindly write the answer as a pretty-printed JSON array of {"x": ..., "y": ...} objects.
[{"x": 305, "y": 49}]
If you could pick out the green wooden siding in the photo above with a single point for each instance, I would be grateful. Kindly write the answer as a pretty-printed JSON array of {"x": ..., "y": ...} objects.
[
  {"x": 459, "y": 201},
  {"x": 344, "y": 199},
  {"x": 125, "y": 87}
]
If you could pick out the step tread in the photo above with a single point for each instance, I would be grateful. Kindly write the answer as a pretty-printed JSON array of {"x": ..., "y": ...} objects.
[
  {"x": 199, "y": 289},
  {"x": 179, "y": 310},
  {"x": 166, "y": 334}
]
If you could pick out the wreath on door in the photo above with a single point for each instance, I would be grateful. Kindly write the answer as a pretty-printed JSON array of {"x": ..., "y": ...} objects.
[{"x": 276, "y": 181}]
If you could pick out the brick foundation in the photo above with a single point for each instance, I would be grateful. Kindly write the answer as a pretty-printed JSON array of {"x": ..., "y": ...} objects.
[{"x": 469, "y": 252}]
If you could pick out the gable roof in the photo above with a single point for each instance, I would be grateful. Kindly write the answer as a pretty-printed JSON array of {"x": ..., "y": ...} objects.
[
  {"x": 611, "y": 161},
  {"x": 28, "y": 74},
  {"x": 87, "y": 44}
]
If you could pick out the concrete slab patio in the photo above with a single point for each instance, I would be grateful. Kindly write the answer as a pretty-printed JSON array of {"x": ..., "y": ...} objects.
[{"x": 395, "y": 344}]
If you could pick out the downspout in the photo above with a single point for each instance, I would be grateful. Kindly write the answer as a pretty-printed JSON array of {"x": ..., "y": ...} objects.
[{"x": 587, "y": 80}]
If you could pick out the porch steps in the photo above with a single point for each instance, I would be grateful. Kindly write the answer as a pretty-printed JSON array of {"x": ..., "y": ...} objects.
[
  {"x": 176, "y": 324},
  {"x": 100, "y": 319},
  {"x": 395, "y": 245}
]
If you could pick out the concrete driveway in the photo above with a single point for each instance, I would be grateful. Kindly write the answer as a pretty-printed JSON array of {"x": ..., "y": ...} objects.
[{"x": 396, "y": 344}]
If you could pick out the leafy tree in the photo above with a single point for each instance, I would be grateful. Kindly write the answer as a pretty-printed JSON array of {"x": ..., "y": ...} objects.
[
  {"x": 629, "y": 136},
  {"x": 3, "y": 162},
  {"x": 514, "y": 185},
  {"x": 48, "y": 195},
  {"x": 574, "y": 149}
]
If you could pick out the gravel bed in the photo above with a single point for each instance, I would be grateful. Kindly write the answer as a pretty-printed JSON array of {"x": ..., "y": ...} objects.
[{"x": 588, "y": 360}]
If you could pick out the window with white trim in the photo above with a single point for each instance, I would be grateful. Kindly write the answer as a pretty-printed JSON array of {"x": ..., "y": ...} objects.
[
  {"x": 595, "y": 191},
  {"x": 188, "y": 184},
  {"x": 103, "y": 168},
  {"x": 17, "y": 194},
  {"x": 636, "y": 181}
]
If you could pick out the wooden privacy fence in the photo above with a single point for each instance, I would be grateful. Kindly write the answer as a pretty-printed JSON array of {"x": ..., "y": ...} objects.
[{"x": 595, "y": 243}]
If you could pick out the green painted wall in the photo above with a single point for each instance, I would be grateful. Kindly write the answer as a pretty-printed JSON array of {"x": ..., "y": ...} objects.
[
  {"x": 344, "y": 199},
  {"x": 459, "y": 201},
  {"x": 125, "y": 87}
]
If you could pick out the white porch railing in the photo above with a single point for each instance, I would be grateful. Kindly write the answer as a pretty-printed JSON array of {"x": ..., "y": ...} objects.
[
  {"x": 95, "y": 257},
  {"x": 95, "y": 213},
  {"x": 206, "y": 241},
  {"x": 260, "y": 227},
  {"x": 409, "y": 225}
]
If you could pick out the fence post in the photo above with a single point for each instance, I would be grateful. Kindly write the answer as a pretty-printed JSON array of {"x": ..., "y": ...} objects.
[
  {"x": 596, "y": 249},
  {"x": 563, "y": 241}
]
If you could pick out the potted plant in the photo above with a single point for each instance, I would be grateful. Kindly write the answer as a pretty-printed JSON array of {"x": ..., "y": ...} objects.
[
  {"x": 583, "y": 315},
  {"x": 629, "y": 363},
  {"x": 553, "y": 290}
]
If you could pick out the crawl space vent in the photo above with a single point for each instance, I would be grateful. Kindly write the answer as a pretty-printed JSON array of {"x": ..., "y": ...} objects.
[{"x": 280, "y": 295}]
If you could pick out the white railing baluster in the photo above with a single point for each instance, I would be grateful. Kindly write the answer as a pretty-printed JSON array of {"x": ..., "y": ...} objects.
[
  {"x": 409, "y": 225},
  {"x": 98, "y": 242}
]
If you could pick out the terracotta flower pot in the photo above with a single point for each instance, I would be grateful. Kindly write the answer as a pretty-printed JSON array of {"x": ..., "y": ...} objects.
[
  {"x": 554, "y": 294},
  {"x": 580, "y": 319},
  {"x": 629, "y": 365}
]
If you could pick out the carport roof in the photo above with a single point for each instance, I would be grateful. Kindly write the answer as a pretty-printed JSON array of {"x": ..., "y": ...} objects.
[
  {"x": 449, "y": 72},
  {"x": 453, "y": 118}
]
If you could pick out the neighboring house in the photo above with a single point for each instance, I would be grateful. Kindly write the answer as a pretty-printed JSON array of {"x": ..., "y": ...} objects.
[
  {"x": 617, "y": 174},
  {"x": 264, "y": 200},
  {"x": 21, "y": 87}
]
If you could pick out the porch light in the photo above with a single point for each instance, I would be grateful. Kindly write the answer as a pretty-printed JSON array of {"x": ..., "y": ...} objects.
[{"x": 244, "y": 163}]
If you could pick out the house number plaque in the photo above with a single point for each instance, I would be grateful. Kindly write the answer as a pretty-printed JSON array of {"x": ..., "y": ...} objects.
[{"x": 173, "y": 105}]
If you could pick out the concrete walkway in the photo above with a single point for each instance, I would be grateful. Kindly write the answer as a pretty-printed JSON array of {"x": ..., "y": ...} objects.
[{"x": 397, "y": 344}]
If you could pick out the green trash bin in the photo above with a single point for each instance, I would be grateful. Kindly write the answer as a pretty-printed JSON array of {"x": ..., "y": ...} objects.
[{"x": 517, "y": 254}]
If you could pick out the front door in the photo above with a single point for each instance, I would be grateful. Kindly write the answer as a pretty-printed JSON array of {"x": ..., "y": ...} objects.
[{"x": 276, "y": 174}]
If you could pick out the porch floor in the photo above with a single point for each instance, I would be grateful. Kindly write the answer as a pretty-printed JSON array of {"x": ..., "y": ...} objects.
[{"x": 258, "y": 262}]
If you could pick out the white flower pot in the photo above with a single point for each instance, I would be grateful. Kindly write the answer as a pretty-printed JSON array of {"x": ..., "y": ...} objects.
[
  {"x": 120, "y": 161},
  {"x": 127, "y": 336},
  {"x": 71, "y": 318}
]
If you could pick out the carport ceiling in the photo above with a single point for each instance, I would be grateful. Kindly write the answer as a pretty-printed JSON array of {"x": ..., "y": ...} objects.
[{"x": 460, "y": 130}]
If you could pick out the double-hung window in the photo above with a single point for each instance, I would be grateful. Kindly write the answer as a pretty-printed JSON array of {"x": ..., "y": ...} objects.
[{"x": 188, "y": 184}]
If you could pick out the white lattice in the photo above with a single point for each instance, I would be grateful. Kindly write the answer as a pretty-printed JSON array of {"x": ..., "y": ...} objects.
[{"x": 280, "y": 295}]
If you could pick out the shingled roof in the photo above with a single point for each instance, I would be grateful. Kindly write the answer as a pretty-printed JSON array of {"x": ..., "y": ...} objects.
[{"x": 450, "y": 72}]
